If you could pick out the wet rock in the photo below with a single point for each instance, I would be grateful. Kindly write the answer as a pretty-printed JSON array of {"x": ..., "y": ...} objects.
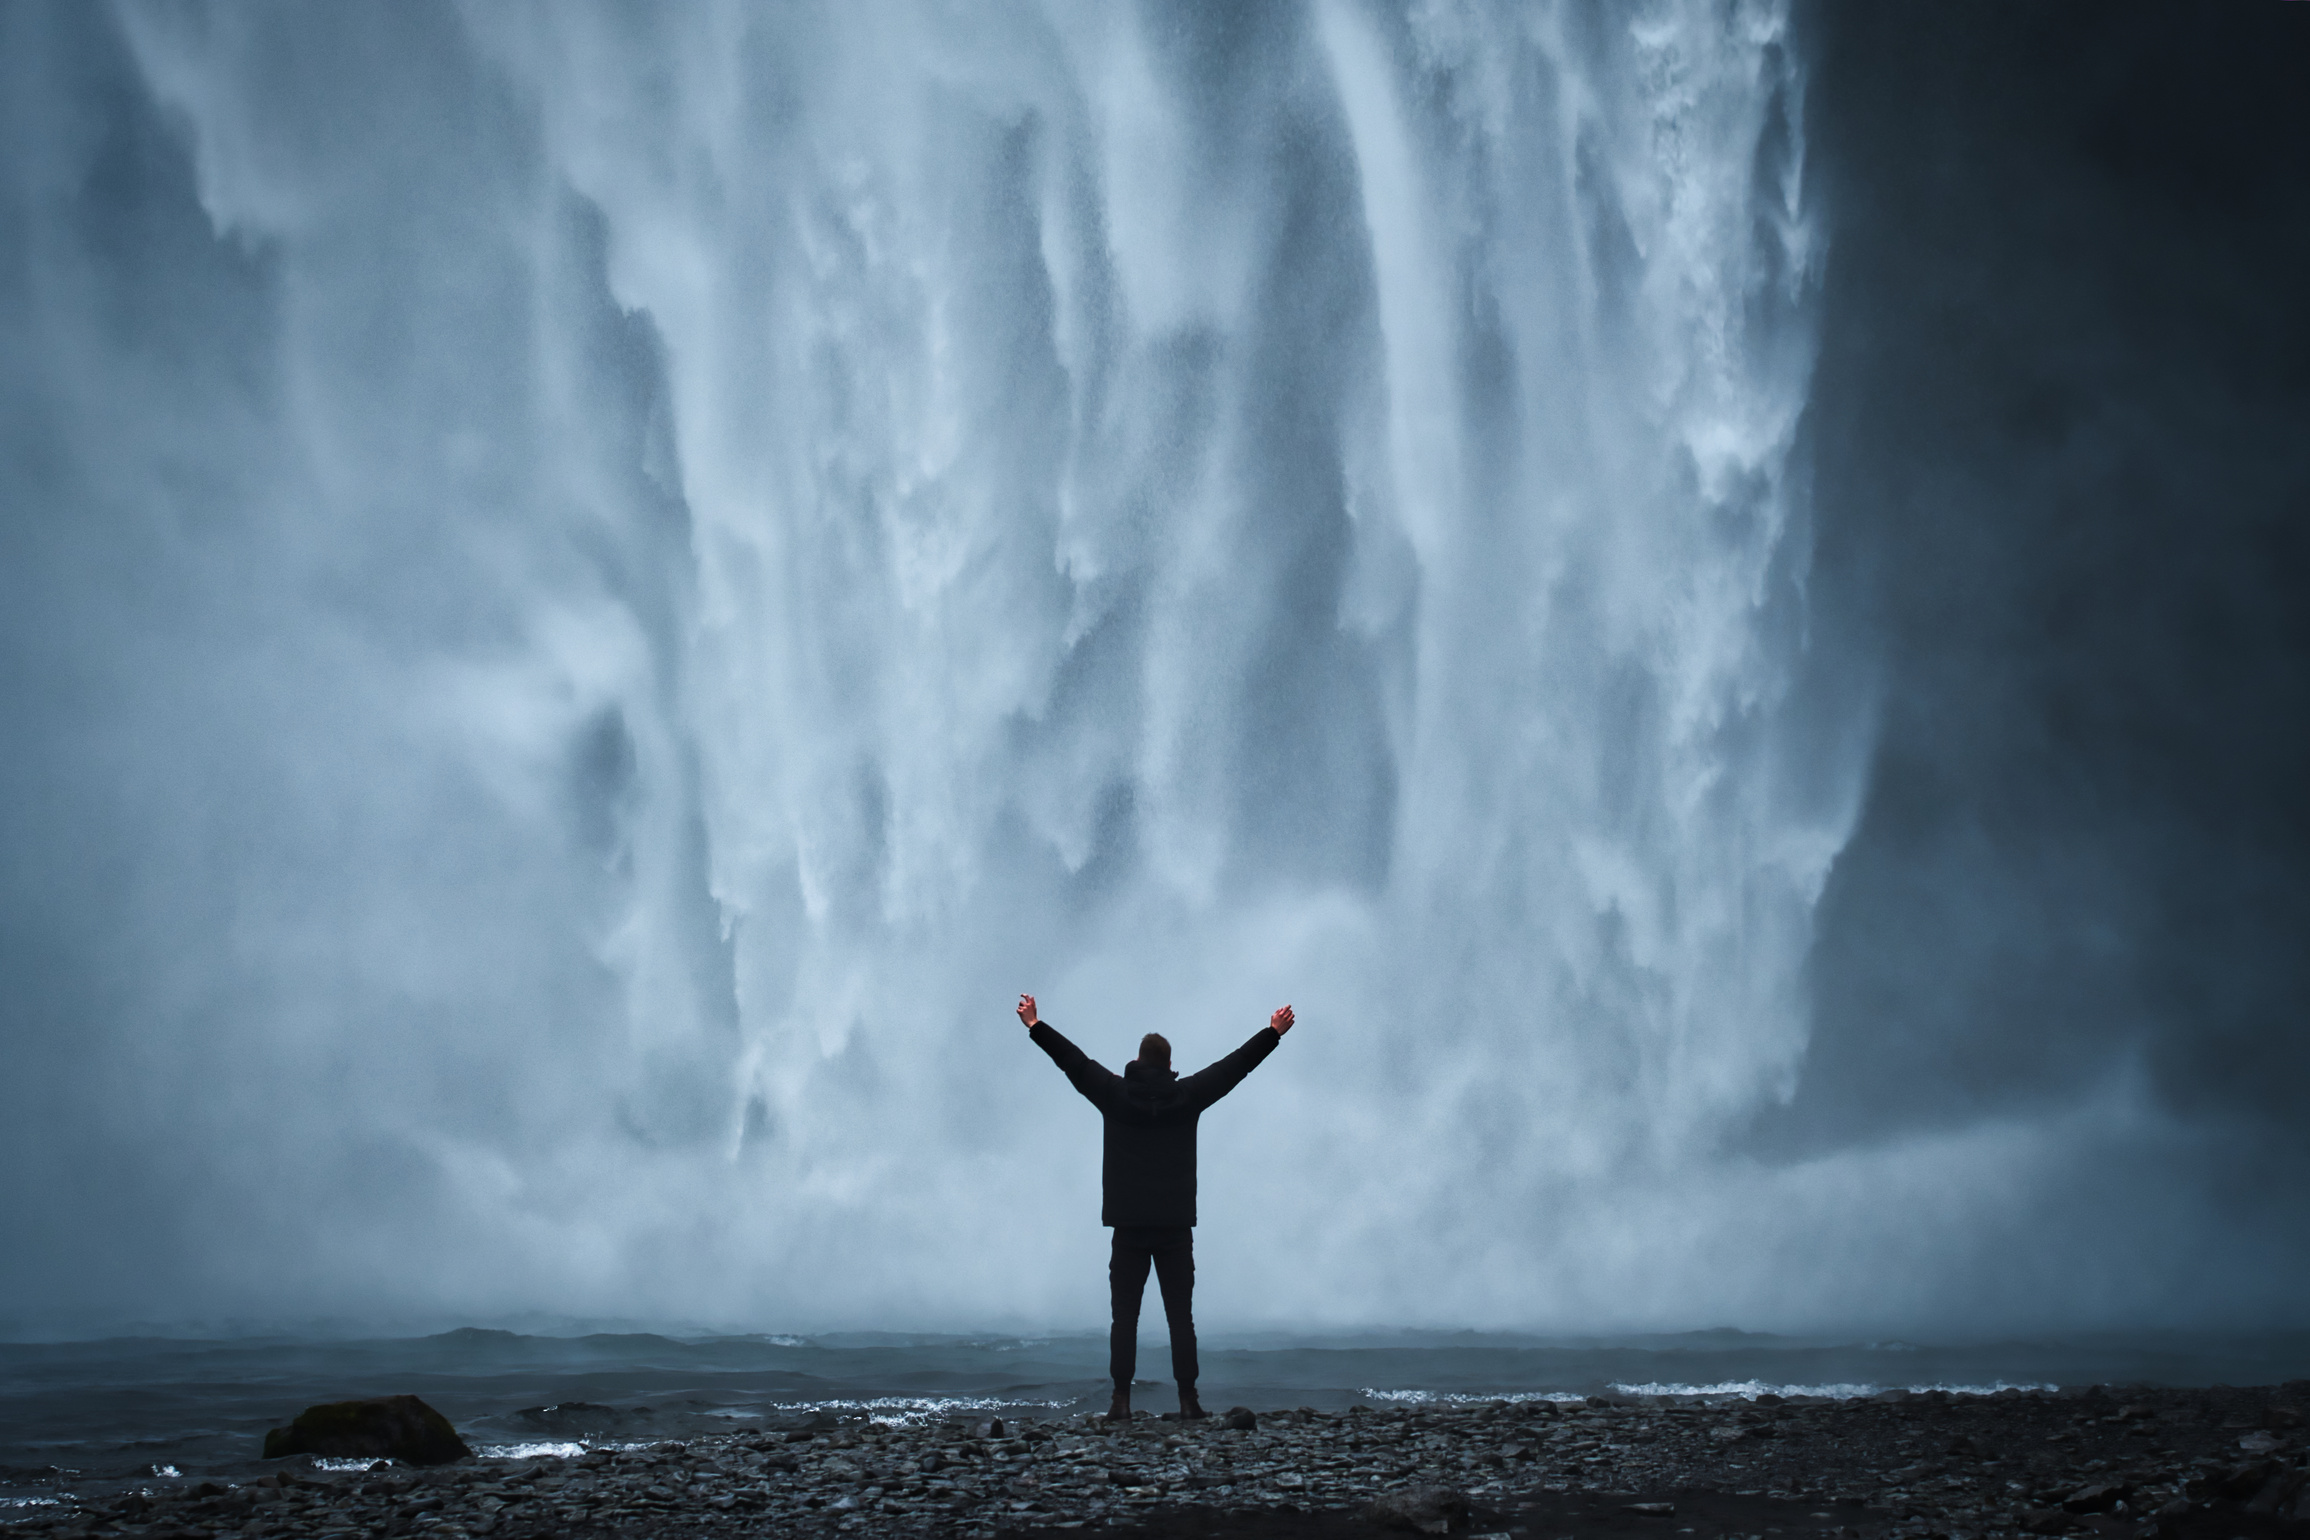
[
  {"x": 1428, "y": 1510},
  {"x": 2097, "y": 1497},
  {"x": 381, "y": 1428},
  {"x": 1240, "y": 1418},
  {"x": 1956, "y": 1466},
  {"x": 2277, "y": 1493}
]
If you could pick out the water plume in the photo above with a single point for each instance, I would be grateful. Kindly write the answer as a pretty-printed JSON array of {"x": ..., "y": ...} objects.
[{"x": 657, "y": 566}]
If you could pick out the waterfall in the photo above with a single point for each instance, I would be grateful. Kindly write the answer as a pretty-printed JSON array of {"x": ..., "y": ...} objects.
[{"x": 754, "y": 534}]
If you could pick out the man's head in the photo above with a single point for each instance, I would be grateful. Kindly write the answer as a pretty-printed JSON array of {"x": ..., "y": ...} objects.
[{"x": 1155, "y": 1051}]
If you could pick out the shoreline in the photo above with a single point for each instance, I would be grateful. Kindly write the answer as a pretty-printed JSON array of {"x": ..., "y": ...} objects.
[{"x": 2143, "y": 1464}]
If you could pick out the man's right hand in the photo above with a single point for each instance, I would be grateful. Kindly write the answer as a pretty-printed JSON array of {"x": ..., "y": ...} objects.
[
  {"x": 1027, "y": 1011},
  {"x": 1279, "y": 1023}
]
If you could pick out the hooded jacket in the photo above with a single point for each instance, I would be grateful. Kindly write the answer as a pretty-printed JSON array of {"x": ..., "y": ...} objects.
[{"x": 1147, "y": 1174}]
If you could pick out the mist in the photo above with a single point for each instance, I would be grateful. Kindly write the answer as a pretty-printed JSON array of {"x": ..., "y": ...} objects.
[{"x": 1711, "y": 592}]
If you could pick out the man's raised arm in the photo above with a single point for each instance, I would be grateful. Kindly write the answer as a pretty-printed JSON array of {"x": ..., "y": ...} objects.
[
  {"x": 1097, "y": 1083},
  {"x": 1207, "y": 1085}
]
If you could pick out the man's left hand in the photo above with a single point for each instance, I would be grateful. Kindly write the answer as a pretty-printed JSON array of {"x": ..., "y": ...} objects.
[
  {"x": 1027, "y": 1012},
  {"x": 1280, "y": 1022}
]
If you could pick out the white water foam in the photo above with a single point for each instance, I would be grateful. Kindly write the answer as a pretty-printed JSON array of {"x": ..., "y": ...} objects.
[
  {"x": 1749, "y": 1390},
  {"x": 544, "y": 1449},
  {"x": 907, "y": 1411},
  {"x": 1457, "y": 1398}
]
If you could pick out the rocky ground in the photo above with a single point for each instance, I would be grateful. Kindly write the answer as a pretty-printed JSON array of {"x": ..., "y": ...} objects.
[{"x": 2142, "y": 1465}]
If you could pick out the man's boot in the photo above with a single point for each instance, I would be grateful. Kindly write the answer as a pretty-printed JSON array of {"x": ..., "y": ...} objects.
[
  {"x": 1119, "y": 1409},
  {"x": 1190, "y": 1409}
]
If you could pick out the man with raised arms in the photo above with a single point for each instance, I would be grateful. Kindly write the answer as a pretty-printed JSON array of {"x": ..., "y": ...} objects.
[{"x": 1147, "y": 1180}]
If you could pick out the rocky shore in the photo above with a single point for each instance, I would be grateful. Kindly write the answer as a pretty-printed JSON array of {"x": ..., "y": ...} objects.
[{"x": 2142, "y": 1464}]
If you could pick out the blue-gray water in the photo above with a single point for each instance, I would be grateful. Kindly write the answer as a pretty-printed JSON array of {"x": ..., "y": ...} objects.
[{"x": 125, "y": 1406}]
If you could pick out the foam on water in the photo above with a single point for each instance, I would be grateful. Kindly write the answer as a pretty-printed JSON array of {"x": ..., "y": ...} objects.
[
  {"x": 911, "y": 1410},
  {"x": 544, "y": 1449},
  {"x": 1749, "y": 1390},
  {"x": 1460, "y": 1398}
]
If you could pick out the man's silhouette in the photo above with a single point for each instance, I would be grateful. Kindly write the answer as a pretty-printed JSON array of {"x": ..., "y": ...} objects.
[{"x": 1148, "y": 1182}]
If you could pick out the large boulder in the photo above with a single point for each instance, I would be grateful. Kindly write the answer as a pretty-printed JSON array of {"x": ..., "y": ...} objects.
[{"x": 382, "y": 1428}]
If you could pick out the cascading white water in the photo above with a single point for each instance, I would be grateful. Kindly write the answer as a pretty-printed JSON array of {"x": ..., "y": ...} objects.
[{"x": 870, "y": 509}]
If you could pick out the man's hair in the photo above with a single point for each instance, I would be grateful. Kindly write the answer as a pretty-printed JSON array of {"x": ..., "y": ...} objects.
[{"x": 1155, "y": 1051}]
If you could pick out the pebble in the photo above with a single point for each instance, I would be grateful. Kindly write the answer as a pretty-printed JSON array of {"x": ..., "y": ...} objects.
[{"x": 1905, "y": 1469}]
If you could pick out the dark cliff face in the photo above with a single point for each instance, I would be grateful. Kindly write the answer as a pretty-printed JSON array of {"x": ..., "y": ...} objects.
[{"x": 2062, "y": 421}]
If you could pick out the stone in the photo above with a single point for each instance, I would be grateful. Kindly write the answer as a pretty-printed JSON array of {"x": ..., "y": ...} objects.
[
  {"x": 380, "y": 1428},
  {"x": 1240, "y": 1418},
  {"x": 1651, "y": 1510},
  {"x": 2097, "y": 1497},
  {"x": 1999, "y": 1455},
  {"x": 2277, "y": 1494},
  {"x": 1428, "y": 1510}
]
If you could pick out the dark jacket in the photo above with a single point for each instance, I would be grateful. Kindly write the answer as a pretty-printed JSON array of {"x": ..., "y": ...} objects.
[{"x": 1148, "y": 1173}]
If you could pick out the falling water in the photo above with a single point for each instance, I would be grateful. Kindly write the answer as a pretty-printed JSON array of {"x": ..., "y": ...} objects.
[{"x": 726, "y": 542}]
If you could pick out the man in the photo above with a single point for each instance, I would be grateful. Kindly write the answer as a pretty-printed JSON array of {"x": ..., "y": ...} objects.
[{"x": 1147, "y": 1178}]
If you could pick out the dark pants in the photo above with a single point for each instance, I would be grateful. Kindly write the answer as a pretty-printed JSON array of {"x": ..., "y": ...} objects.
[{"x": 1172, "y": 1251}]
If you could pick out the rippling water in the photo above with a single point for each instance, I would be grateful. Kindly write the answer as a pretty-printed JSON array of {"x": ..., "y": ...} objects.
[{"x": 128, "y": 1405}]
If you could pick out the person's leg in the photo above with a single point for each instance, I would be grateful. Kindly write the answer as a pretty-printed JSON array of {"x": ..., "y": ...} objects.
[
  {"x": 1127, "y": 1283},
  {"x": 1175, "y": 1274}
]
